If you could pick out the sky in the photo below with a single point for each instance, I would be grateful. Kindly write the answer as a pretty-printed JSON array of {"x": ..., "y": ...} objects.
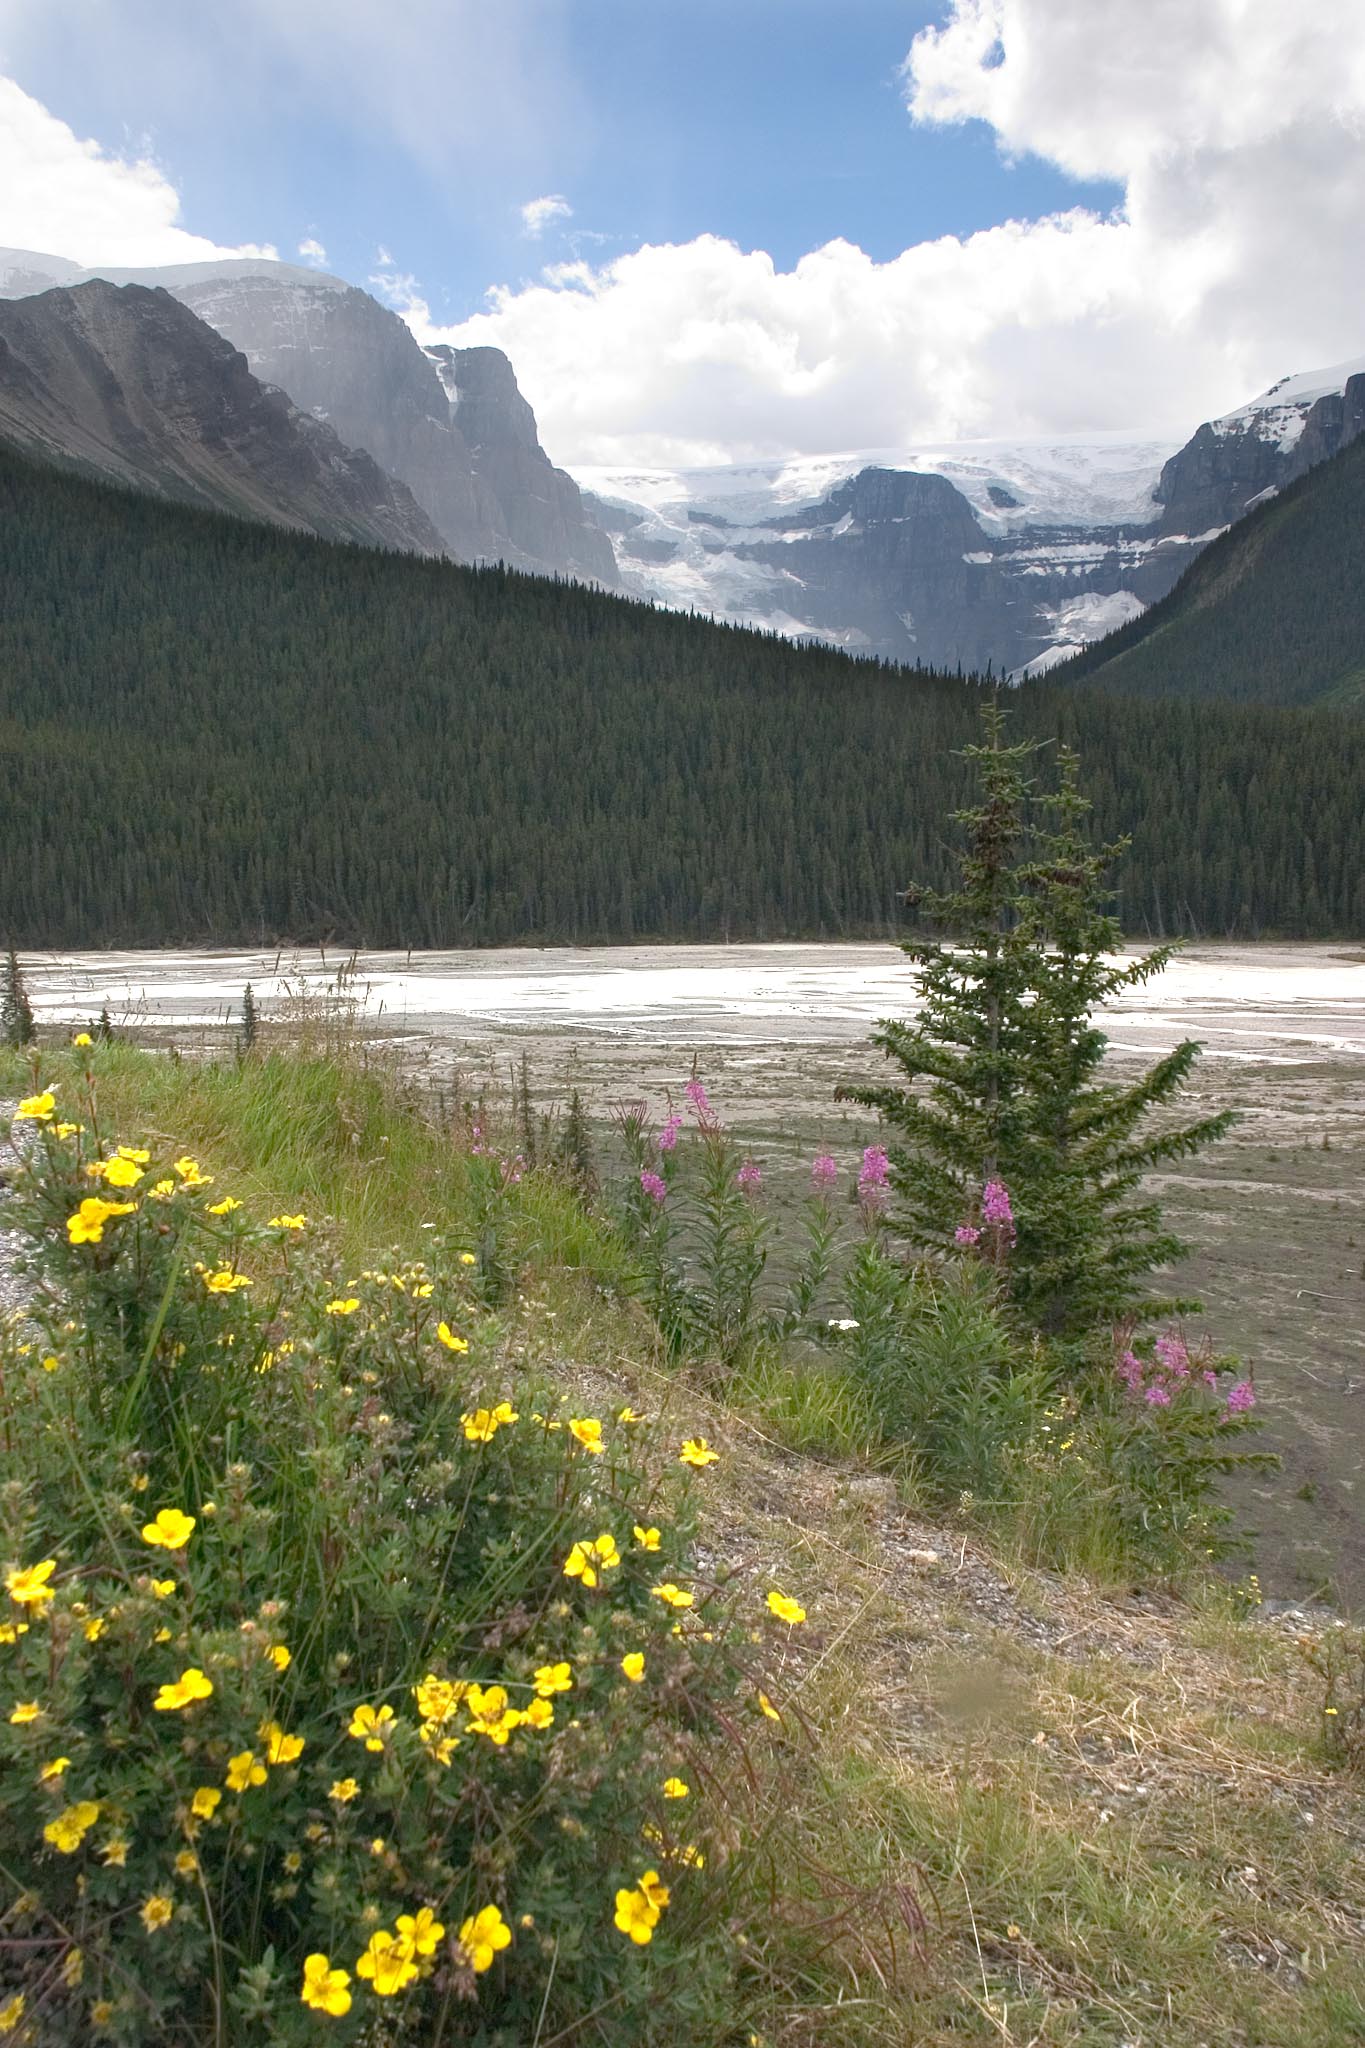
[{"x": 724, "y": 230}]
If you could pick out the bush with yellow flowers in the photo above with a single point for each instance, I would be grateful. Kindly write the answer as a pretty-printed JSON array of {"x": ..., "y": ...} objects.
[{"x": 351, "y": 1686}]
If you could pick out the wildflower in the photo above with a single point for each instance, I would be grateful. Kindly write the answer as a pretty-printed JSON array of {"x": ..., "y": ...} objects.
[
  {"x": 490, "y": 1714},
  {"x": 785, "y": 1610},
  {"x": 244, "y": 1770},
  {"x": 279, "y": 1656},
  {"x": 996, "y": 1210},
  {"x": 468, "y": 1259},
  {"x": 288, "y": 1222},
  {"x": 633, "y": 1664},
  {"x": 324, "y": 1989},
  {"x": 387, "y": 1964},
  {"x": 161, "y": 1190},
  {"x": 86, "y": 1226},
  {"x": 437, "y": 1698},
  {"x": 225, "y": 1281},
  {"x": 102, "y": 2011},
  {"x": 540, "y": 1714},
  {"x": 205, "y": 1802},
  {"x": 223, "y": 1208},
  {"x": 873, "y": 1177},
  {"x": 114, "y": 1852},
  {"x": 696, "y": 1451},
  {"x": 966, "y": 1235},
  {"x": 11, "y": 2013},
  {"x": 1241, "y": 1398},
  {"x": 824, "y": 1172},
  {"x": 344, "y": 1305},
  {"x": 1158, "y": 1397},
  {"x": 482, "y": 1936},
  {"x": 94, "y": 1628},
  {"x": 191, "y": 1685},
  {"x": 344, "y": 1790},
  {"x": 482, "y": 1425},
  {"x": 671, "y": 1595},
  {"x": 586, "y": 1559},
  {"x": 10, "y": 1631},
  {"x": 36, "y": 1109},
  {"x": 25, "y": 1712},
  {"x": 553, "y": 1678},
  {"x": 136, "y": 1153},
  {"x": 188, "y": 1169},
  {"x": 627, "y": 1414},
  {"x": 73, "y": 1968},
  {"x": 448, "y": 1337},
  {"x": 54, "y": 1769},
  {"x": 587, "y": 1430},
  {"x": 676, "y": 1788},
  {"x": 171, "y": 1530},
  {"x": 636, "y": 1915},
  {"x": 749, "y": 1178},
  {"x": 162, "y": 1588},
  {"x": 648, "y": 1539},
  {"x": 668, "y": 1137},
  {"x": 653, "y": 1185},
  {"x": 72, "y": 1825},
  {"x": 82, "y": 1038},
  {"x": 767, "y": 1709},
  {"x": 371, "y": 1726},
  {"x": 117, "y": 1172},
  {"x": 423, "y": 1931},
  {"x": 29, "y": 1587},
  {"x": 701, "y": 1107},
  {"x": 843, "y": 1324},
  {"x": 279, "y": 1747},
  {"x": 186, "y": 1863},
  {"x": 69, "y": 1130},
  {"x": 156, "y": 1911}
]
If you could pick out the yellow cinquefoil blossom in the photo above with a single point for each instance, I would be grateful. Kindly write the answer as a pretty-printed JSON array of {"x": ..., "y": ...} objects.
[
  {"x": 387, "y": 1964},
  {"x": 627, "y": 1414},
  {"x": 279, "y": 1747},
  {"x": 86, "y": 1226},
  {"x": 343, "y": 1790},
  {"x": 422, "y": 1931},
  {"x": 11, "y": 2013},
  {"x": 36, "y": 1109},
  {"x": 289, "y": 1223},
  {"x": 29, "y": 1587},
  {"x": 119, "y": 1173},
  {"x": 371, "y": 1725},
  {"x": 633, "y": 1664},
  {"x": 94, "y": 1628},
  {"x": 170, "y": 1530},
  {"x": 481, "y": 1936},
  {"x": 223, "y": 1208},
  {"x": 186, "y": 1863},
  {"x": 82, "y": 1038},
  {"x": 676, "y": 1788},
  {"x": 136, "y": 1153},
  {"x": 553, "y": 1678},
  {"x": 279, "y": 1656},
  {"x": 205, "y": 1802},
  {"x": 638, "y": 1910},
  {"x": 437, "y": 1698},
  {"x": 188, "y": 1169},
  {"x": 483, "y": 1424},
  {"x": 491, "y": 1715},
  {"x": 450, "y": 1338},
  {"x": 191, "y": 1685},
  {"x": 671, "y": 1595},
  {"x": 72, "y": 1825},
  {"x": 786, "y": 1610},
  {"x": 344, "y": 1305},
  {"x": 156, "y": 1911},
  {"x": 245, "y": 1769},
  {"x": 696, "y": 1451},
  {"x": 25, "y": 1712},
  {"x": 767, "y": 1709},
  {"x": 54, "y": 1769},
  {"x": 324, "y": 1989},
  {"x": 586, "y": 1559},
  {"x": 648, "y": 1539},
  {"x": 225, "y": 1281},
  {"x": 588, "y": 1432}
]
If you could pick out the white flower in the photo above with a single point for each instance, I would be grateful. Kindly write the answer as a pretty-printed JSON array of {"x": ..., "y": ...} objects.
[{"x": 843, "y": 1323}]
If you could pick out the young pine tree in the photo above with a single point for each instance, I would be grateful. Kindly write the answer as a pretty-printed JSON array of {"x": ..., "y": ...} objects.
[
  {"x": 16, "y": 1011},
  {"x": 1003, "y": 1064}
]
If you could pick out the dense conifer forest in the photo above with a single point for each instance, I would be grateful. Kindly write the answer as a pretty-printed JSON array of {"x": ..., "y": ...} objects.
[
  {"x": 212, "y": 731},
  {"x": 1273, "y": 612}
]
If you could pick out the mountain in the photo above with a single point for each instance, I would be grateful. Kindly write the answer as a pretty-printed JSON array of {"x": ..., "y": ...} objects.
[
  {"x": 1273, "y": 611},
  {"x": 127, "y": 383},
  {"x": 450, "y": 424},
  {"x": 211, "y": 731},
  {"x": 1017, "y": 553}
]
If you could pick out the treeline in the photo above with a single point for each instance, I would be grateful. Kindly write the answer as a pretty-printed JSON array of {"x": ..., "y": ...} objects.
[
  {"x": 212, "y": 731},
  {"x": 1272, "y": 612}
]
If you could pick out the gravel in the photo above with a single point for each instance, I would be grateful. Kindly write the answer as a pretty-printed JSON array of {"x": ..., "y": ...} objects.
[{"x": 13, "y": 1285}]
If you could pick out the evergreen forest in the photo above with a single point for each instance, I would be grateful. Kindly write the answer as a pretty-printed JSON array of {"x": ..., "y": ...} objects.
[{"x": 217, "y": 732}]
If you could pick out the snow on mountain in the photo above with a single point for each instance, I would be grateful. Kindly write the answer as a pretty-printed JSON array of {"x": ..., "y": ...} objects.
[{"x": 1281, "y": 413}]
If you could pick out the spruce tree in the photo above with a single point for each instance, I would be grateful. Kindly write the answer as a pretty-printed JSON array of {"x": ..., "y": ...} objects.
[
  {"x": 16, "y": 1011},
  {"x": 1003, "y": 1064},
  {"x": 251, "y": 1023}
]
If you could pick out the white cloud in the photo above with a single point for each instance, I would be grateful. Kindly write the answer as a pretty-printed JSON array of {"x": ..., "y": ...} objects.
[
  {"x": 1236, "y": 129},
  {"x": 69, "y": 197},
  {"x": 537, "y": 214},
  {"x": 313, "y": 252}
]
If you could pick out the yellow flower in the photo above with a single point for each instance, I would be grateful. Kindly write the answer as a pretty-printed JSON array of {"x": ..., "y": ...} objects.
[
  {"x": 223, "y": 1208},
  {"x": 279, "y": 1656},
  {"x": 135, "y": 1153},
  {"x": 289, "y": 1223},
  {"x": 163, "y": 1588},
  {"x": 69, "y": 1130},
  {"x": 279, "y": 1747},
  {"x": 648, "y": 1539},
  {"x": 481, "y": 1426},
  {"x": 371, "y": 1725},
  {"x": 344, "y": 1305},
  {"x": 171, "y": 1530},
  {"x": 553, "y": 1678},
  {"x": 441, "y": 1747},
  {"x": 72, "y": 1825},
  {"x": 468, "y": 1259},
  {"x": 635, "y": 1916},
  {"x": 205, "y": 1802},
  {"x": 186, "y": 1863},
  {"x": 10, "y": 1631},
  {"x": 676, "y": 1788},
  {"x": 587, "y": 1559},
  {"x": 422, "y": 1931},
  {"x": 588, "y": 1432},
  {"x": 324, "y": 1989},
  {"x": 481, "y": 1936},
  {"x": 29, "y": 1587},
  {"x": 344, "y": 1790},
  {"x": 786, "y": 1610},
  {"x": 656, "y": 1893},
  {"x": 94, "y": 1628},
  {"x": 12, "y": 2013},
  {"x": 54, "y": 1769},
  {"x": 245, "y": 1769},
  {"x": 225, "y": 1281},
  {"x": 634, "y": 1666},
  {"x": 82, "y": 1038},
  {"x": 36, "y": 1108},
  {"x": 161, "y": 1190},
  {"x": 437, "y": 1698},
  {"x": 767, "y": 1708},
  {"x": 115, "y": 1852},
  {"x": 156, "y": 1911},
  {"x": 490, "y": 1714},
  {"x": 102, "y": 2011},
  {"x": 119, "y": 1173},
  {"x": 86, "y": 1226},
  {"x": 448, "y": 1337},
  {"x": 671, "y": 1595},
  {"x": 540, "y": 1714},
  {"x": 73, "y": 1968},
  {"x": 188, "y": 1169},
  {"x": 191, "y": 1685},
  {"x": 696, "y": 1451},
  {"x": 627, "y": 1414},
  {"x": 25, "y": 1711},
  {"x": 387, "y": 1964}
]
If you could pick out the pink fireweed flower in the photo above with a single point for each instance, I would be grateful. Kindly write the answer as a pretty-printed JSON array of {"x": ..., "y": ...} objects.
[
  {"x": 701, "y": 1106},
  {"x": 996, "y": 1210},
  {"x": 749, "y": 1177},
  {"x": 873, "y": 1177},
  {"x": 653, "y": 1186},
  {"x": 824, "y": 1172},
  {"x": 1157, "y": 1397},
  {"x": 1130, "y": 1371},
  {"x": 1241, "y": 1397},
  {"x": 1172, "y": 1354},
  {"x": 966, "y": 1234},
  {"x": 668, "y": 1136}
]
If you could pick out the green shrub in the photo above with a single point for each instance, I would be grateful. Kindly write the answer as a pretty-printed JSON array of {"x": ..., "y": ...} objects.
[{"x": 352, "y": 1683}]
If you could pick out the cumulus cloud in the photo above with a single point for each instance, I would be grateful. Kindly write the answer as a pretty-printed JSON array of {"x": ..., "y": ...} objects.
[
  {"x": 313, "y": 252},
  {"x": 1236, "y": 129},
  {"x": 69, "y": 197},
  {"x": 537, "y": 214}
]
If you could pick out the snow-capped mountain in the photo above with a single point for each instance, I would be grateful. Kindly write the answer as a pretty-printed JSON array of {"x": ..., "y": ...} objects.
[{"x": 1016, "y": 553}]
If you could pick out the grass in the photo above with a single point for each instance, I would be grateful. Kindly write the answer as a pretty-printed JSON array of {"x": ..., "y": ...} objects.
[{"x": 1113, "y": 1812}]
